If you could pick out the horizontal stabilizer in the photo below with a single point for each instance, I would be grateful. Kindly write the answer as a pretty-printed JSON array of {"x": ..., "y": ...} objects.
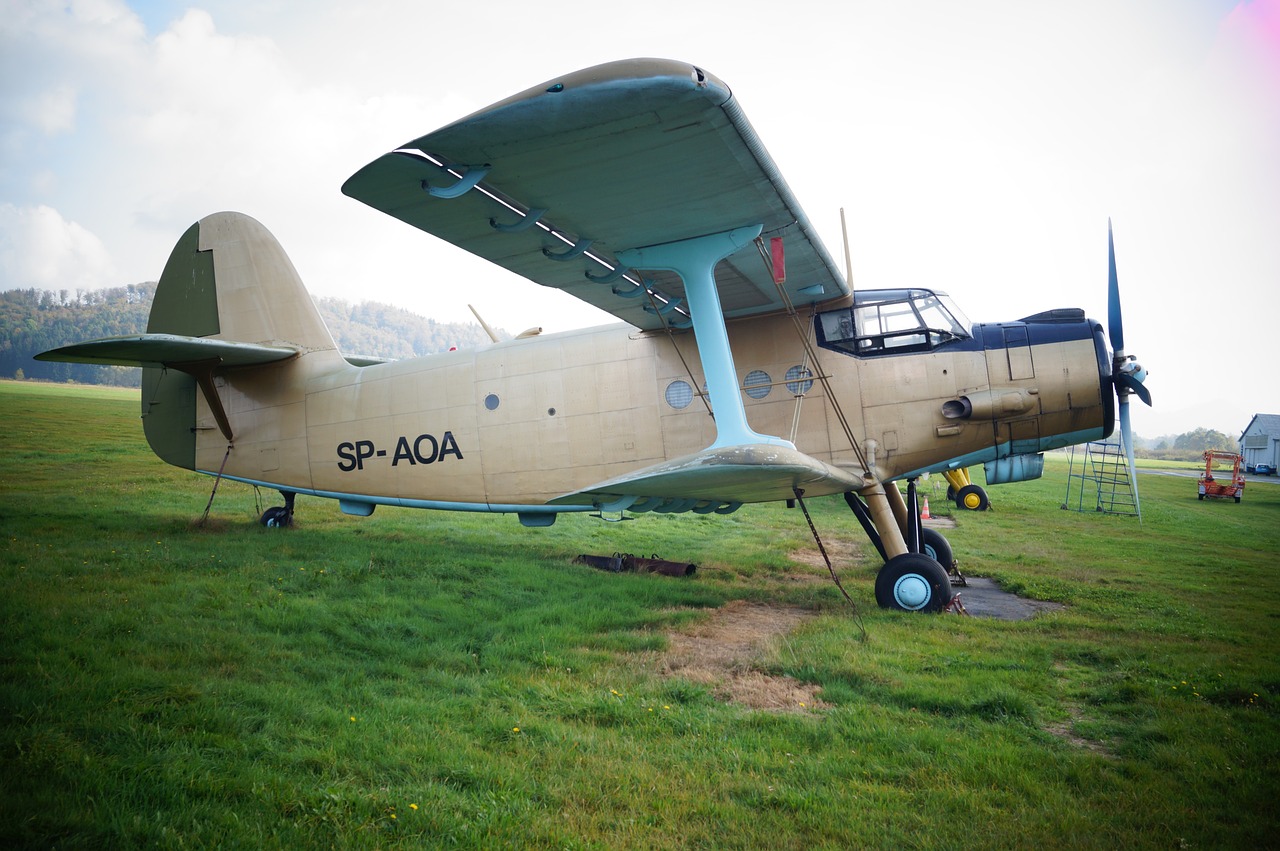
[
  {"x": 159, "y": 350},
  {"x": 723, "y": 476}
]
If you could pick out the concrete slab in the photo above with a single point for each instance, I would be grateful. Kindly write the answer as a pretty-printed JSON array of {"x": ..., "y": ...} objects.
[{"x": 983, "y": 598}]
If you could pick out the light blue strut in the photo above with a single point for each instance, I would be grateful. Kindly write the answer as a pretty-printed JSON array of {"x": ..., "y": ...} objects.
[
  {"x": 473, "y": 176},
  {"x": 694, "y": 260}
]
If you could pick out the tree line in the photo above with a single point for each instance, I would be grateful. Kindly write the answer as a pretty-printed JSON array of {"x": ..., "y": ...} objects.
[
  {"x": 34, "y": 320},
  {"x": 1189, "y": 446}
]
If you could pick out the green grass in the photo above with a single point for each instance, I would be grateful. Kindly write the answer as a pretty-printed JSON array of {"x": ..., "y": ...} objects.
[
  {"x": 1167, "y": 464},
  {"x": 421, "y": 679}
]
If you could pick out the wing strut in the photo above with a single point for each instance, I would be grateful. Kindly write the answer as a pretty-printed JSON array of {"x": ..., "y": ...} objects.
[{"x": 694, "y": 260}]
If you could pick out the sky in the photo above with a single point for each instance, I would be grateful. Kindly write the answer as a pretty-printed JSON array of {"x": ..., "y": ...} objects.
[{"x": 977, "y": 148}]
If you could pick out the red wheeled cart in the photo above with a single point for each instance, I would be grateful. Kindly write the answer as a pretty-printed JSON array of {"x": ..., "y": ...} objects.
[{"x": 1222, "y": 478}]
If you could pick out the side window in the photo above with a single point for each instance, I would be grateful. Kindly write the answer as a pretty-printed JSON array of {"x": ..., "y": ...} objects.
[
  {"x": 890, "y": 322},
  {"x": 838, "y": 327}
]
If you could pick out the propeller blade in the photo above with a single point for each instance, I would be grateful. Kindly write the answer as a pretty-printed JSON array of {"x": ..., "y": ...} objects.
[
  {"x": 1115, "y": 323},
  {"x": 1127, "y": 374},
  {"x": 1126, "y": 437},
  {"x": 1128, "y": 382}
]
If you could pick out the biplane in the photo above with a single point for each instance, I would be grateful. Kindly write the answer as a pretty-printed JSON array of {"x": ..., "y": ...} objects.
[{"x": 743, "y": 370}]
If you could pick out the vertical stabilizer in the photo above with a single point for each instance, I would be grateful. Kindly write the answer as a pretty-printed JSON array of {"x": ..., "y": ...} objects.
[
  {"x": 260, "y": 298},
  {"x": 228, "y": 279}
]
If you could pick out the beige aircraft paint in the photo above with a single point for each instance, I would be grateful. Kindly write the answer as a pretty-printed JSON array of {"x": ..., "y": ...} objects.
[
  {"x": 842, "y": 393},
  {"x": 524, "y": 422}
]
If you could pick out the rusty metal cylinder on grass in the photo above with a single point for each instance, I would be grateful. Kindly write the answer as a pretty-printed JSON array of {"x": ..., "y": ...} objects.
[{"x": 654, "y": 564}]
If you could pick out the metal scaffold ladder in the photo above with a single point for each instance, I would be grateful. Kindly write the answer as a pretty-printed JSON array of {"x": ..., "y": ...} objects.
[{"x": 1099, "y": 481}]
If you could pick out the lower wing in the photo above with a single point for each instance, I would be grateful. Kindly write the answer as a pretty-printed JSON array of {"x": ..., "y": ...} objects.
[{"x": 718, "y": 479}]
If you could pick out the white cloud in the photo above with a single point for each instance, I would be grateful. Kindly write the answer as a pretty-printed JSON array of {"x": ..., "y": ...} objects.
[
  {"x": 39, "y": 248},
  {"x": 51, "y": 111}
]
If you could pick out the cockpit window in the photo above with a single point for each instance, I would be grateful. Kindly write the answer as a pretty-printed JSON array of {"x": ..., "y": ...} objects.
[{"x": 892, "y": 321}]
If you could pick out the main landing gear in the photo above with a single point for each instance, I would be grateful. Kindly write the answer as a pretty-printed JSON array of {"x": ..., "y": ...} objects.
[
  {"x": 280, "y": 516},
  {"x": 916, "y": 560}
]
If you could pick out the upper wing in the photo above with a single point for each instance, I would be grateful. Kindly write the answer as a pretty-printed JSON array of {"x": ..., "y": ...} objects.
[{"x": 552, "y": 183}]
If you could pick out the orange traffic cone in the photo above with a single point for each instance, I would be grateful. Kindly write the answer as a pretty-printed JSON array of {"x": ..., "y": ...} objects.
[{"x": 924, "y": 512}]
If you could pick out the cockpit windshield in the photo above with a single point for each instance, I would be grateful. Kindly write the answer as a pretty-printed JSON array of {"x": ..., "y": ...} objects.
[{"x": 891, "y": 322}]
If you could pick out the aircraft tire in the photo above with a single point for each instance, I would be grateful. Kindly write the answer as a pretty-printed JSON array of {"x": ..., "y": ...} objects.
[
  {"x": 937, "y": 548},
  {"x": 972, "y": 498},
  {"x": 277, "y": 517},
  {"x": 913, "y": 582}
]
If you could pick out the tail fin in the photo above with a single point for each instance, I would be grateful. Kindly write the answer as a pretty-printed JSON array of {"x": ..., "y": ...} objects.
[
  {"x": 228, "y": 298},
  {"x": 226, "y": 279},
  {"x": 229, "y": 278}
]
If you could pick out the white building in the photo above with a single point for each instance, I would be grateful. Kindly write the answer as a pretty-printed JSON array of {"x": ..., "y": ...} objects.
[{"x": 1260, "y": 442}]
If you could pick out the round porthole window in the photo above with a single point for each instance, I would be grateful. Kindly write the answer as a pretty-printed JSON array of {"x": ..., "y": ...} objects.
[
  {"x": 679, "y": 394},
  {"x": 799, "y": 379},
  {"x": 491, "y": 402},
  {"x": 757, "y": 384}
]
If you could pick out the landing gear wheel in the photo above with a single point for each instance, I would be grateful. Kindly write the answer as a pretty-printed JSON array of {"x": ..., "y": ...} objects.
[
  {"x": 277, "y": 517},
  {"x": 973, "y": 498},
  {"x": 281, "y": 516},
  {"x": 913, "y": 582},
  {"x": 937, "y": 548}
]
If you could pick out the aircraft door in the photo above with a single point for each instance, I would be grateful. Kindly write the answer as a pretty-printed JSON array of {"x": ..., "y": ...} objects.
[{"x": 1017, "y": 348}]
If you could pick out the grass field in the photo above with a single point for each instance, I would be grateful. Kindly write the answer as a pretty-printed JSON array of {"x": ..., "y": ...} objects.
[{"x": 421, "y": 679}]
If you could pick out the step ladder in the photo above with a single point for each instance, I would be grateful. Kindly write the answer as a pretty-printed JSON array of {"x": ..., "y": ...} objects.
[{"x": 1099, "y": 481}]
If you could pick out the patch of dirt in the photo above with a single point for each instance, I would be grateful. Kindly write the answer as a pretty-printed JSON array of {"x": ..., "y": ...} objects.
[
  {"x": 721, "y": 652},
  {"x": 1065, "y": 730},
  {"x": 842, "y": 553}
]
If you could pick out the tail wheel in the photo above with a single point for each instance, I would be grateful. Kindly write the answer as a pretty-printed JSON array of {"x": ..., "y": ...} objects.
[
  {"x": 973, "y": 498},
  {"x": 277, "y": 517},
  {"x": 913, "y": 582}
]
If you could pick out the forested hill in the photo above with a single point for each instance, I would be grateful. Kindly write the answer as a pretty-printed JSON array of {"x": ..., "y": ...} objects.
[
  {"x": 381, "y": 330},
  {"x": 33, "y": 321}
]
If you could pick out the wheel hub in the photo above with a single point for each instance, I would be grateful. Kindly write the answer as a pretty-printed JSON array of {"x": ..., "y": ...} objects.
[{"x": 912, "y": 591}]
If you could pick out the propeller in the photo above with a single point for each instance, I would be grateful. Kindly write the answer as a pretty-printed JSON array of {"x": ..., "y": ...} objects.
[{"x": 1126, "y": 373}]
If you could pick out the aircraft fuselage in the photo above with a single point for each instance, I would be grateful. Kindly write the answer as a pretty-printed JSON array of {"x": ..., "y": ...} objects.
[{"x": 519, "y": 423}]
